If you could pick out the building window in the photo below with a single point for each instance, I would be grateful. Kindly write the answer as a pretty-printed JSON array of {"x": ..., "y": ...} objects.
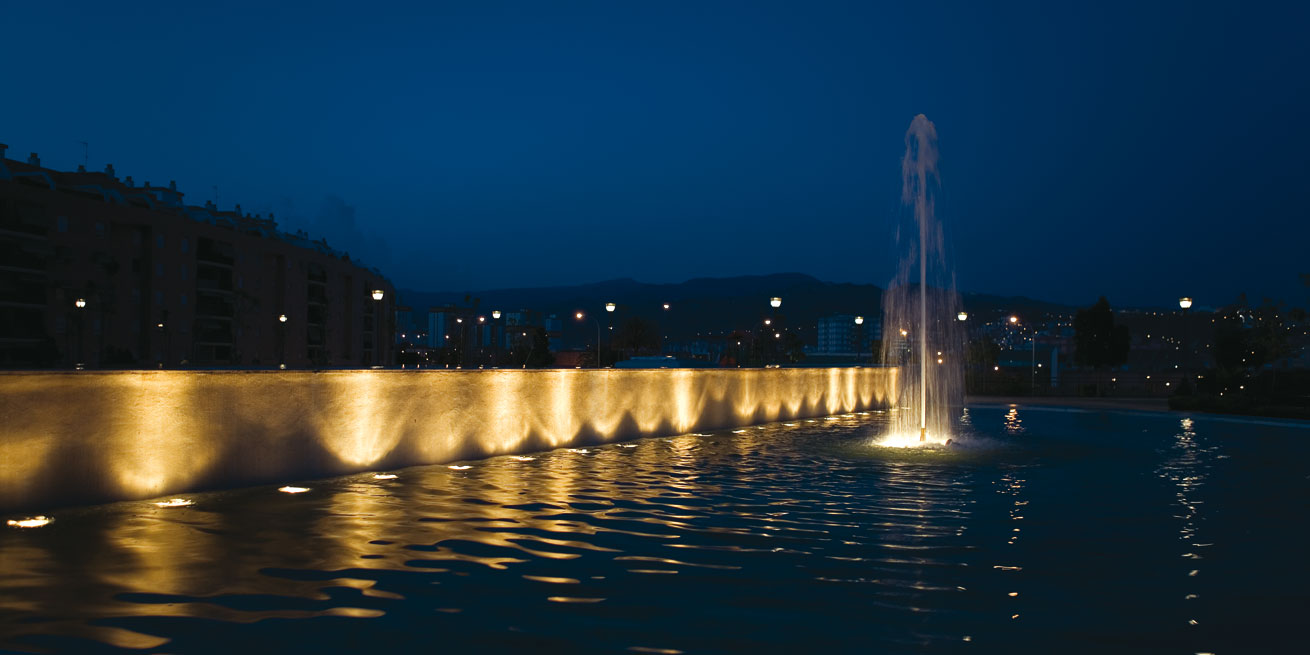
[
  {"x": 159, "y": 269},
  {"x": 184, "y": 244},
  {"x": 100, "y": 229},
  {"x": 184, "y": 300},
  {"x": 184, "y": 267},
  {"x": 159, "y": 241},
  {"x": 61, "y": 223}
]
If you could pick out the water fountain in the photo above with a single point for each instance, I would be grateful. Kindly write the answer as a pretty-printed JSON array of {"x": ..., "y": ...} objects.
[{"x": 920, "y": 333}]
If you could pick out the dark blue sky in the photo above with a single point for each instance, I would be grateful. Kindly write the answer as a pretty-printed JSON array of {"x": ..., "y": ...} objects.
[{"x": 1137, "y": 150}]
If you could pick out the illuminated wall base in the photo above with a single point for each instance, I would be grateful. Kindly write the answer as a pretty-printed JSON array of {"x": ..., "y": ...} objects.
[{"x": 89, "y": 437}]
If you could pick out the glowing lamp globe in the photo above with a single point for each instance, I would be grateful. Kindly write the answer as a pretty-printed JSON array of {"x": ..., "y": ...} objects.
[
  {"x": 377, "y": 294},
  {"x": 609, "y": 307},
  {"x": 775, "y": 302},
  {"x": 80, "y": 303},
  {"x": 963, "y": 316},
  {"x": 859, "y": 320},
  {"x": 495, "y": 313},
  {"x": 1185, "y": 303}
]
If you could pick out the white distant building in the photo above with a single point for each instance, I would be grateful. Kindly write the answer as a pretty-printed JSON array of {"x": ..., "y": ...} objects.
[{"x": 839, "y": 334}]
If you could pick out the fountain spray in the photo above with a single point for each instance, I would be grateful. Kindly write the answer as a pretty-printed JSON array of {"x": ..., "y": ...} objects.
[{"x": 917, "y": 314}]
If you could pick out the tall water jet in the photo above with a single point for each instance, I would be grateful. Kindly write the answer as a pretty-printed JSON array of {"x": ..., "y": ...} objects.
[{"x": 920, "y": 331}]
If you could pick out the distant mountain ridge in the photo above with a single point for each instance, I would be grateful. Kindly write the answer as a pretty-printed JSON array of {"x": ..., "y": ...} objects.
[{"x": 703, "y": 305}]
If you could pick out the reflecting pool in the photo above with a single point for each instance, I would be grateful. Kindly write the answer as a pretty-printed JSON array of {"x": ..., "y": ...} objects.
[{"x": 1046, "y": 530}]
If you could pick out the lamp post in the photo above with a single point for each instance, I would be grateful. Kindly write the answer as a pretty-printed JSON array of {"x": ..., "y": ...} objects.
[
  {"x": 282, "y": 341},
  {"x": 774, "y": 302},
  {"x": 377, "y": 326},
  {"x": 1185, "y": 304},
  {"x": 1014, "y": 320},
  {"x": 580, "y": 316},
  {"x": 482, "y": 345},
  {"x": 497, "y": 340},
  {"x": 859, "y": 337},
  {"x": 80, "y": 304},
  {"x": 463, "y": 339}
]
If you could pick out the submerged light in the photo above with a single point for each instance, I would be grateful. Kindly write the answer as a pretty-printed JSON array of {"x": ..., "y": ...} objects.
[
  {"x": 175, "y": 502},
  {"x": 34, "y": 522},
  {"x": 293, "y": 490}
]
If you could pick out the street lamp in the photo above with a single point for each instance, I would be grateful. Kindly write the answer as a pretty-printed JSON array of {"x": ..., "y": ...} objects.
[
  {"x": 609, "y": 307},
  {"x": 1185, "y": 303},
  {"x": 775, "y": 302},
  {"x": 859, "y": 337},
  {"x": 666, "y": 305},
  {"x": 80, "y": 304},
  {"x": 963, "y": 315},
  {"x": 377, "y": 327},
  {"x": 281, "y": 341},
  {"x": 580, "y": 316}
]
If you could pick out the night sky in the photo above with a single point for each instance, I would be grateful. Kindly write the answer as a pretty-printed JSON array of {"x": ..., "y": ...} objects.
[{"x": 1140, "y": 150}]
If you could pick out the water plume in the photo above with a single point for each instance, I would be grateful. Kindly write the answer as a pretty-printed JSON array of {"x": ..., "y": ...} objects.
[{"x": 920, "y": 332}]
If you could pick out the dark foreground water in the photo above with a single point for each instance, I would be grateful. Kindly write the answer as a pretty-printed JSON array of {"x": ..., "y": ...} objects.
[{"x": 1053, "y": 531}]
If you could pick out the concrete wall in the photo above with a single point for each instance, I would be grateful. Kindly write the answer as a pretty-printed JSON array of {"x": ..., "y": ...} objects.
[{"x": 88, "y": 437}]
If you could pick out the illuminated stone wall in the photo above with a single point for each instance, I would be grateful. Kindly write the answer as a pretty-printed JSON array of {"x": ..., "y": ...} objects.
[{"x": 76, "y": 438}]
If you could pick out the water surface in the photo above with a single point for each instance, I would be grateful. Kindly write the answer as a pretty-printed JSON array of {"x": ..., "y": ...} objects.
[{"x": 1049, "y": 531}]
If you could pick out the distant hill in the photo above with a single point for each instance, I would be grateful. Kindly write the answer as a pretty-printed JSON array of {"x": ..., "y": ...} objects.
[{"x": 702, "y": 304}]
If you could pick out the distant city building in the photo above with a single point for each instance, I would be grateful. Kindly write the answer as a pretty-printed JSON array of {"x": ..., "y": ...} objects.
[
  {"x": 102, "y": 271},
  {"x": 840, "y": 334}
]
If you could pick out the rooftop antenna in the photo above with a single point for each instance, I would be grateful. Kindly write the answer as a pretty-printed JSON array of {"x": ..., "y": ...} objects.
[{"x": 86, "y": 149}]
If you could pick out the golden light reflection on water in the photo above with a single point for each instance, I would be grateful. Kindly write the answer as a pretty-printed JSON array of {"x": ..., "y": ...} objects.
[{"x": 77, "y": 438}]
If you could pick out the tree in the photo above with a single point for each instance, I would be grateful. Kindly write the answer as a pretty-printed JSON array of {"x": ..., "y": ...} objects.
[
  {"x": 637, "y": 335},
  {"x": 793, "y": 347},
  {"x": 1098, "y": 342},
  {"x": 534, "y": 353}
]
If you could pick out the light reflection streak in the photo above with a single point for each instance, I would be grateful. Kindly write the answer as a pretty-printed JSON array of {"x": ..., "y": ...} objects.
[{"x": 1188, "y": 469}]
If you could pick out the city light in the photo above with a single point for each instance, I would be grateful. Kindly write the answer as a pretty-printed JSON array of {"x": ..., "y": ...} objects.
[
  {"x": 377, "y": 294},
  {"x": 578, "y": 316},
  {"x": 859, "y": 320},
  {"x": 768, "y": 321},
  {"x": 80, "y": 303},
  {"x": 1014, "y": 319},
  {"x": 666, "y": 305},
  {"x": 775, "y": 302},
  {"x": 282, "y": 318},
  {"x": 1185, "y": 302},
  {"x": 963, "y": 316},
  {"x": 609, "y": 307},
  {"x": 495, "y": 313}
]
